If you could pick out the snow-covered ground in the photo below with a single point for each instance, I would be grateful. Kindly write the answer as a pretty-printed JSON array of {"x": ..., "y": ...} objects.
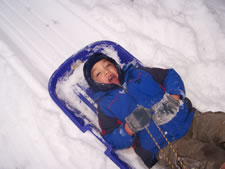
[{"x": 37, "y": 36}]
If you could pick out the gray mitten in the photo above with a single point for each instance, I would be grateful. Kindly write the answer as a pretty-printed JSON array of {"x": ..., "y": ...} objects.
[
  {"x": 138, "y": 119},
  {"x": 165, "y": 110}
]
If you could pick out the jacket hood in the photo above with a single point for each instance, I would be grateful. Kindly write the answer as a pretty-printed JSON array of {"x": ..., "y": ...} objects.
[
  {"x": 128, "y": 67},
  {"x": 95, "y": 86}
]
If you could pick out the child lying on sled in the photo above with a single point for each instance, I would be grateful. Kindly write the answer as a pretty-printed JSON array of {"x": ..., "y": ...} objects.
[{"x": 146, "y": 108}]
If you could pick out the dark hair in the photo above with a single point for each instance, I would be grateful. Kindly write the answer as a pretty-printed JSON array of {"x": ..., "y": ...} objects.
[{"x": 95, "y": 86}]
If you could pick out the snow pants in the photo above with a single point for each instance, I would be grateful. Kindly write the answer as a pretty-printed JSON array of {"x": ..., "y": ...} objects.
[{"x": 203, "y": 147}]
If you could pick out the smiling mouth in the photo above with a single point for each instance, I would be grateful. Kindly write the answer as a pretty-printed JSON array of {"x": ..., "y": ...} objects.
[{"x": 111, "y": 78}]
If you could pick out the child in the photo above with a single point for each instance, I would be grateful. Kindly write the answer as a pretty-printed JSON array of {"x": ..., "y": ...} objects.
[{"x": 146, "y": 108}]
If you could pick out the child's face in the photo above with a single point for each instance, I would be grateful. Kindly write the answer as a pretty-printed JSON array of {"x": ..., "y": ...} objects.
[{"x": 104, "y": 72}]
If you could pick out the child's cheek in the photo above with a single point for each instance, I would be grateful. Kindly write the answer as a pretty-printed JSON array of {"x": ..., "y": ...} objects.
[{"x": 103, "y": 80}]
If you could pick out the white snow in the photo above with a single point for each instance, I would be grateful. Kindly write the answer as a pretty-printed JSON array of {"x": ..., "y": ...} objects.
[{"x": 37, "y": 36}]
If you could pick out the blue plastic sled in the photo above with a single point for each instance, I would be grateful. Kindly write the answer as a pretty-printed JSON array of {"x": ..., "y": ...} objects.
[{"x": 85, "y": 94}]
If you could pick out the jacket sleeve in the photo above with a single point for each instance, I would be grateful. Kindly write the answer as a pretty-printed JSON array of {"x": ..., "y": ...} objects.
[
  {"x": 169, "y": 79},
  {"x": 113, "y": 131},
  {"x": 174, "y": 84}
]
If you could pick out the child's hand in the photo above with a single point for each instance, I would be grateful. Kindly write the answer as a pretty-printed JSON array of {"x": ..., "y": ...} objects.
[
  {"x": 177, "y": 97},
  {"x": 166, "y": 109},
  {"x": 128, "y": 130},
  {"x": 138, "y": 119}
]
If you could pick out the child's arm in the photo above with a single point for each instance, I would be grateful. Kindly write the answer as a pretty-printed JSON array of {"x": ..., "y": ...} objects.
[
  {"x": 168, "y": 79},
  {"x": 114, "y": 132},
  {"x": 119, "y": 138},
  {"x": 174, "y": 85},
  {"x": 136, "y": 121}
]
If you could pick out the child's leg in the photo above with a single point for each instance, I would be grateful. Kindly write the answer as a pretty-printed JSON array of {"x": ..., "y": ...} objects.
[
  {"x": 201, "y": 146},
  {"x": 195, "y": 154},
  {"x": 209, "y": 127}
]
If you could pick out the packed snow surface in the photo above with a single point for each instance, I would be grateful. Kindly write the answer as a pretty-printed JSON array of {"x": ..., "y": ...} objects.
[{"x": 37, "y": 36}]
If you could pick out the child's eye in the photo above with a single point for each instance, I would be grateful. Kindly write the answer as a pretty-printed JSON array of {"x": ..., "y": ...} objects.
[
  {"x": 108, "y": 65},
  {"x": 97, "y": 74}
]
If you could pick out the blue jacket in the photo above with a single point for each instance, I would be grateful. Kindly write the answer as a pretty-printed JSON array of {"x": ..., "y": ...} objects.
[{"x": 142, "y": 86}]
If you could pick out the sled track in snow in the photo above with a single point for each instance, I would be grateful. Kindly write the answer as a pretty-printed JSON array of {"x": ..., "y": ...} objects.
[
  {"x": 24, "y": 22},
  {"x": 26, "y": 26},
  {"x": 20, "y": 28}
]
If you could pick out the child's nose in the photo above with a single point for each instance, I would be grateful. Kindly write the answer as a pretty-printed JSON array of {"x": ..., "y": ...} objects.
[{"x": 106, "y": 71}]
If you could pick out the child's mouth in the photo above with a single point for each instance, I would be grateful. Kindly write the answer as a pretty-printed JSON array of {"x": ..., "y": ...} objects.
[{"x": 112, "y": 79}]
